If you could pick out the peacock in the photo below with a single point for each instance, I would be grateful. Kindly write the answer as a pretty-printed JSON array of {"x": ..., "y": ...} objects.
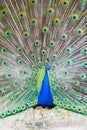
[{"x": 43, "y": 55}]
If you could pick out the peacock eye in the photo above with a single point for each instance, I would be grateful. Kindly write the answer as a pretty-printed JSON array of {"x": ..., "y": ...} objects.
[
  {"x": 8, "y": 75},
  {"x": 23, "y": 72},
  {"x": 39, "y": 63},
  {"x": 18, "y": 108},
  {"x": 65, "y": 72},
  {"x": 65, "y": 3},
  {"x": 56, "y": 21},
  {"x": 8, "y": 33},
  {"x": 4, "y": 90},
  {"x": 43, "y": 52},
  {"x": 58, "y": 80},
  {"x": 4, "y": 12},
  {"x": 50, "y": 11},
  {"x": 79, "y": 32},
  {"x": 15, "y": 83},
  {"x": 33, "y": 2},
  {"x": 61, "y": 103},
  {"x": 74, "y": 17},
  {"x": 4, "y": 63},
  {"x": 8, "y": 111},
  {"x": 52, "y": 44},
  {"x": 33, "y": 22},
  {"x": 85, "y": 64},
  {"x": 77, "y": 83},
  {"x": 22, "y": 15},
  {"x": 33, "y": 67},
  {"x": 3, "y": 115},
  {"x": 28, "y": 79},
  {"x": 54, "y": 66},
  {"x": 33, "y": 56},
  {"x": 34, "y": 74},
  {"x": 83, "y": 77},
  {"x": 65, "y": 88},
  {"x": 54, "y": 57},
  {"x": 20, "y": 62},
  {"x": 69, "y": 62},
  {"x": 69, "y": 107},
  {"x": 79, "y": 109},
  {"x": 65, "y": 100},
  {"x": 13, "y": 111},
  {"x": 45, "y": 30},
  {"x": 3, "y": 50},
  {"x": 84, "y": 50},
  {"x": 64, "y": 37},
  {"x": 85, "y": 112},
  {"x": 37, "y": 43},
  {"x": 68, "y": 50},
  {"x": 23, "y": 107},
  {"x": 55, "y": 98},
  {"x": 79, "y": 97},
  {"x": 26, "y": 35},
  {"x": 19, "y": 50},
  {"x": 74, "y": 106}
]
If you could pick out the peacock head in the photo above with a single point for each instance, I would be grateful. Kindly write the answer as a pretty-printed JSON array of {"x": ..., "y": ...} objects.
[{"x": 47, "y": 66}]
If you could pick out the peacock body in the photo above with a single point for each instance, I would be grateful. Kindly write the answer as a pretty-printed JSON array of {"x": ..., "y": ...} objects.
[{"x": 43, "y": 55}]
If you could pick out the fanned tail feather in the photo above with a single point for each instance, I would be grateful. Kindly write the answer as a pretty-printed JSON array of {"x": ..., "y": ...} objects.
[{"x": 33, "y": 32}]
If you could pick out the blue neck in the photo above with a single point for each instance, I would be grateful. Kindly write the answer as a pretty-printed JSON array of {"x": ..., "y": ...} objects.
[{"x": 45, "y": 97}]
